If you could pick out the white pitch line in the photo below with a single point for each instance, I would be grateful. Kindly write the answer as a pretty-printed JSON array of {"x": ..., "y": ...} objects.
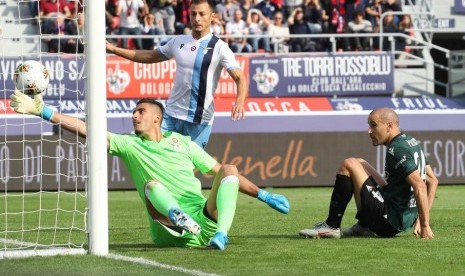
[{"x": 157, "y": 264}]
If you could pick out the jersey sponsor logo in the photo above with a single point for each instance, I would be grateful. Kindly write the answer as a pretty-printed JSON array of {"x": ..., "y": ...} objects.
[
  {"x": 175, "y": 143},
  {"x": 391, "y": 151},
  {"x": 205, "y": 49},
  {"x": 193, "y": 48},
  {"x": 404, "y": 158}
]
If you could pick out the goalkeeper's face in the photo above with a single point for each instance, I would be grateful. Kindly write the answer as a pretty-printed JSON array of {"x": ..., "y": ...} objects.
[{"x": 146, "y": 118}]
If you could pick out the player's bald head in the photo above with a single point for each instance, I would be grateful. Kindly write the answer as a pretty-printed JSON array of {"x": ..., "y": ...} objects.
[{"x": 386, "y": 115}]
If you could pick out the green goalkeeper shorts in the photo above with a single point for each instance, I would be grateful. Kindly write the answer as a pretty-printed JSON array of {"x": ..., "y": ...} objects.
[{"x": 163, "y": 236}]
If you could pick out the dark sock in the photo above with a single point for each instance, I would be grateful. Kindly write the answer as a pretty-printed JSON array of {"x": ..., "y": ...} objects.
[{"x": 342, "y": 194}]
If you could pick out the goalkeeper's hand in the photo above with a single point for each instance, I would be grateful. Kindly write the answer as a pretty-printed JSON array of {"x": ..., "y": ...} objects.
[
  {"x": 278, "y": 202},
  {"x": 24, "y": 104}
]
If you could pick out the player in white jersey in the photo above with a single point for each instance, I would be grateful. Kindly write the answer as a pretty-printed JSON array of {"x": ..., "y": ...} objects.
[
  {"x": 199, "y": 57},
  {"x": 199, "y": 60}
]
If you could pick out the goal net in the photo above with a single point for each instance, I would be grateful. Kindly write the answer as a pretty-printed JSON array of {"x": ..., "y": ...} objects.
[{"x": 43, "y": 170}]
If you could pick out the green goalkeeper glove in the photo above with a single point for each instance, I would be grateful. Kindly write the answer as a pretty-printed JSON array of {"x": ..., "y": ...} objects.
[{"x": 24, "y": 104}]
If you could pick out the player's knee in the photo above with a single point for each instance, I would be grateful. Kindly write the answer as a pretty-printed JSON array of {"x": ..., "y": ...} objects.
[
  {"x": 227, "y": 170},
  {"x": 348, "y": 164},
  {"x": 152, "y": 185}
]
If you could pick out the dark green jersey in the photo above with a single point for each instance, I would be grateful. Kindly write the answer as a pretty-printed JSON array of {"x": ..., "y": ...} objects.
[{"x": 404, "y": 155}]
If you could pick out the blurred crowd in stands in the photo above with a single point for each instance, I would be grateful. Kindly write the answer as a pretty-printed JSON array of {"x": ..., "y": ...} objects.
[{"x": 272, "y": 21}]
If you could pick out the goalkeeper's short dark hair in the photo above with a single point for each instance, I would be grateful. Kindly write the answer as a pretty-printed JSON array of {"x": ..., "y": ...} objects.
[{"x": 154, "y": 102}]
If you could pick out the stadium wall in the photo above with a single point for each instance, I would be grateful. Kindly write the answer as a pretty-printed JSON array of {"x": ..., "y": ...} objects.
[{"x": 270, "y": 159}]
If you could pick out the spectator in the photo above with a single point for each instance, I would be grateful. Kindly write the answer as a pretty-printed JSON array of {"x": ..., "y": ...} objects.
[
  {"x": 34, "y": 8},
  {"x": 48, "y": 10},
  {"x": 389, "y": 26},
  {"x": 289, "y": 6},
  {"x": 406, "y": 27},
  {"x": 128, "y": 11},
  {"x": 245, "y": 6},
  {"x": 326, "y": 10},
  {"x": 237, "y": 28},
  {"x": 313, "y": 15},
  {"x": 298, "y": 26},
  {"x": 78, "y": 28},
  {"x": 393, "y": 6},
  {"x": 226, "y": 10},
  {"x": 60, "y": 27},
  {"x": 75, "y": 7},
  {"x": 279, "y": 33},
  {"x": 337, "y": 23},
  {"x": 151, "y": 26},
  {"x": 163, "y": 9},
  {"x": 111, "y": 20},
  {"x": 182, "y": 12},
  {"x": 360, "y": 26},
  {"x": 338, "y": 16},
  {"x": 373, "y": 12},
  {"x": 257, "y": 26},
  {"x": 217, "y": 27},
  {"x": 268, "y": 8}
]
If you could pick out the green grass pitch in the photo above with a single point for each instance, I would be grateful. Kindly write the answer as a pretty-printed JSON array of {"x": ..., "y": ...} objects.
[{"x": 265, "y": 242}]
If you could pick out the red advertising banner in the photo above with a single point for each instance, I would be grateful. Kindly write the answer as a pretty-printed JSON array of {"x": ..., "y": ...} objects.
[
  {"x": 277, "y": 104},
  {"x": 5, "y": 107},
  {"x": 131, "y": 80}
]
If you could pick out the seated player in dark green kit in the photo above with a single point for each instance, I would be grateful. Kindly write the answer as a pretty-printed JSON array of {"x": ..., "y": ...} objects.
[{"x": 385, "y": 207}]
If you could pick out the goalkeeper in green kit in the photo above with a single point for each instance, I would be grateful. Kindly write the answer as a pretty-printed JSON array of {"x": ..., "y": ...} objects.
[{"x": 162, "y": 165}]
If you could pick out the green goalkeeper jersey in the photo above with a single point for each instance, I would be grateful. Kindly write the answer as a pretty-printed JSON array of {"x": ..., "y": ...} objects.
[
  {"x": 171, "y": 161},
  {"x": 404, "y": 155}
]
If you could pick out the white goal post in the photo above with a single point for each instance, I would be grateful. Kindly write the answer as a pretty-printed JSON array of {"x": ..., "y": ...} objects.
[{"x": 53, "y": 184}]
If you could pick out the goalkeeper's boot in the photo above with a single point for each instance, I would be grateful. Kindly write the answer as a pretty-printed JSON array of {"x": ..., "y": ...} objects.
[
  {"x": 183, "y": 220},
  {"x": 321, "y": 230},
  {"x": 218, "y": 241},
  {"x": 358, "y": 231}
]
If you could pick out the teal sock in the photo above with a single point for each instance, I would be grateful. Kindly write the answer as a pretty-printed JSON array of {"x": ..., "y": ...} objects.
[
  {"x": 226, "y": 202},
  {"x": 160, "y": 198}
]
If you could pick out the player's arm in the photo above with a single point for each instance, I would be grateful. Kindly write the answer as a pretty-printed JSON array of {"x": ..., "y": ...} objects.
[
  {"x": 238, "y": 110},
  {"x": 140, "y": 56},
  {"x": 24, "y": 104},
  {"x": 431, "y": 186},
  {"x": 421, "y": 197}
]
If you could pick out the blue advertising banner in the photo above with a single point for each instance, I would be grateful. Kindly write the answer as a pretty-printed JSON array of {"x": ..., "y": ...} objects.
[
  {"x": 402, "y": 103},
  {"x": 459, "y": 6},
  {"x": 66, "y": 76},
  {"x": 322, "y": 74}
]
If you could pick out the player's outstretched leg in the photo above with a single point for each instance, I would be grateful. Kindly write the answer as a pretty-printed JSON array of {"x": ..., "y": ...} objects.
[
  {"x": 321, "y": 230},
  {"x": 225, "y": 195},
  {"x": 183, "y": 220}
]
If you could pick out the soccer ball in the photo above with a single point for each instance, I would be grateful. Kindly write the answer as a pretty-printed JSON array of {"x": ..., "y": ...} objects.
[{"x": 31, "y": 77}]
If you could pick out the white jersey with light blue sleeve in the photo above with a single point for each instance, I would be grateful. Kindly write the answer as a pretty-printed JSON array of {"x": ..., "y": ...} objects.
[{"x": 198, "y": 69}]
